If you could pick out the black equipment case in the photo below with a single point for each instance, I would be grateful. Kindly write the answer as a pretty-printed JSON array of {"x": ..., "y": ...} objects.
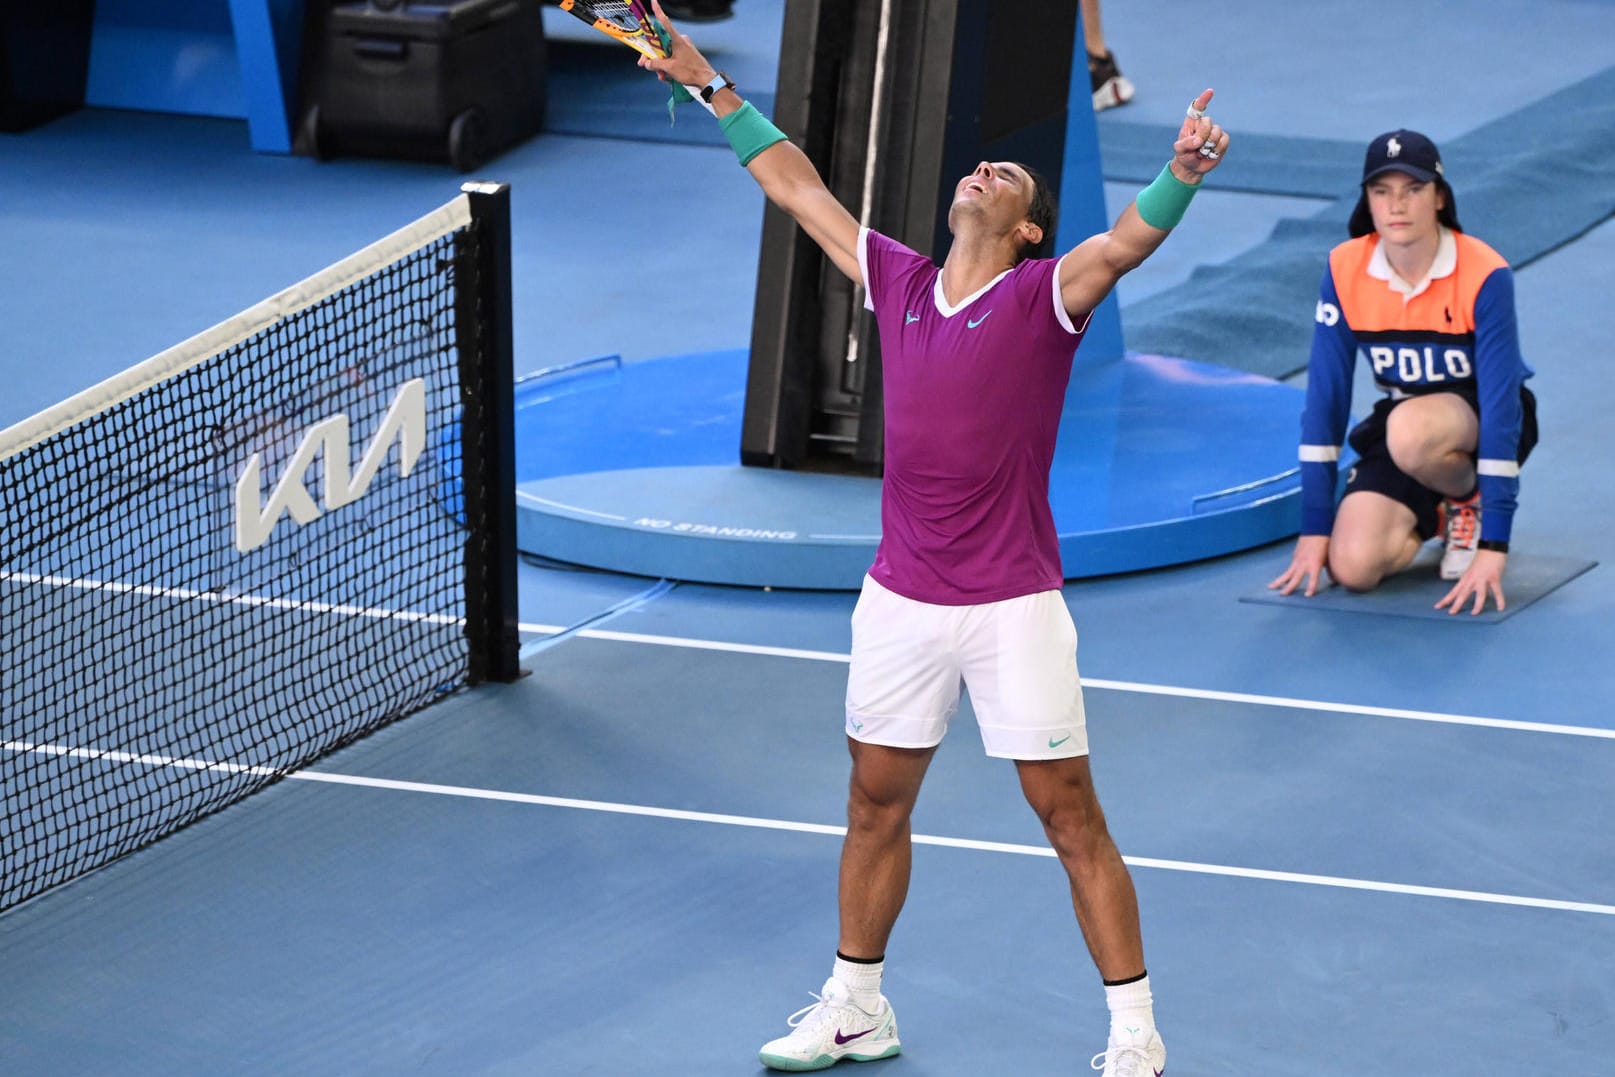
[
  {"x": 459, "y": 80},
  {"x": 44, "y": 60}
]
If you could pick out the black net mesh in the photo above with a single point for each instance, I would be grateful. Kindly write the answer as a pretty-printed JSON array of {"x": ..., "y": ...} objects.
[{"x": 153, "y": 669}]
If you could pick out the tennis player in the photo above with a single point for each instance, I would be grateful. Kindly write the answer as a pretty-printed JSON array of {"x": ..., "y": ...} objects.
[
  {"x": 965, "y": 587},
  {"x": 1433, "y": 311}
]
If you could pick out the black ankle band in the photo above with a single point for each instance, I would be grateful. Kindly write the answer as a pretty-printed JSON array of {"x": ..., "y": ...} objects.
[
  {"x": 861, "y": 960},
  {"x": 1129, "y": 980}
]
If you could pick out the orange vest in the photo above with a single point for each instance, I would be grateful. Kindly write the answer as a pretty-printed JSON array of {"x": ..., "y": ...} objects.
[{"x": 1447, "y": 306}]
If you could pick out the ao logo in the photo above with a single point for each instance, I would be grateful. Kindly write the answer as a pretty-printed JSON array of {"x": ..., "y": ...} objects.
[
  {"x": 405, "y": 420},
  {"x": 1328, "y": 313}
]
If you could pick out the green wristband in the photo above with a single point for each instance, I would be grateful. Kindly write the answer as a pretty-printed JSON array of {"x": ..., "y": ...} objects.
[
  {"x": 749, "y": 132},
  {"x": 1163, "y": 202}
]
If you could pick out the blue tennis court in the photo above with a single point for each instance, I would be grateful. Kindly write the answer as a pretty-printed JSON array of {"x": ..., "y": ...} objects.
[{"x": 1365, "y": 841}]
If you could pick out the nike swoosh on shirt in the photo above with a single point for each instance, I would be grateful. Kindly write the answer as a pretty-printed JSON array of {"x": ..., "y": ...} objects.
[
  {"x": 978, "y": 321},
  {"x": 1056, "y": 743}
]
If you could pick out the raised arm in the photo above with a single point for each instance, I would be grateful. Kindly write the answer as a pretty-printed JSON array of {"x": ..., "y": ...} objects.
[
  {"x": 1092, "y": 268},
  {"x": 782, "y": 170}
]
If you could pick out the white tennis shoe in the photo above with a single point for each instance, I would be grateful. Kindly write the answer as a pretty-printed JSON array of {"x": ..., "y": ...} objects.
[
  {"x": 832, "y": 1029},
  {"x": 1132, "y": 1054}
]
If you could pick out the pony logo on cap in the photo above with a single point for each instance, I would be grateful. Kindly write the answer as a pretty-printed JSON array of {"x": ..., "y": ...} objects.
[{"x": 1393, "y": 148}]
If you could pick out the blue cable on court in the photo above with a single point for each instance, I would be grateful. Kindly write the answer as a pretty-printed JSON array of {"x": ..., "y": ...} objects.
[{"x": 627, "y": 605}]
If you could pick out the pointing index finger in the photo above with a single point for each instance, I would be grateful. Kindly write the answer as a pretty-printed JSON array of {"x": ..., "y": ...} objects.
[{"x": 1196, "y": 112}]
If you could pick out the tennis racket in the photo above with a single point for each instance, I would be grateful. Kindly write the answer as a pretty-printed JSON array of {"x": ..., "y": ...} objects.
[{"x": 626, "y": 20}]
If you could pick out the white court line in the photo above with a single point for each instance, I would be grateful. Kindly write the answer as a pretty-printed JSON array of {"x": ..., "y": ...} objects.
[
  {"x": 187, "y": 594},
  {"x": 815, "y": 656},
  {"x": 133, "y": 757},
  {"x": 692, "y": 644},
  {"x": 473, "y": 793},
  {"x": 1128, "y": 686},
  {"x": 952, "y": 843},
  {"x": 1352, "y": 708}
]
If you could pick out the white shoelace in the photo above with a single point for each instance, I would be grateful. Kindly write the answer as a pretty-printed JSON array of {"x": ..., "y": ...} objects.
[
  {"x": 824, "y": 1010},
  {"x": 802, "y": 1015},
  {"x": 1128, "y": 1058}
]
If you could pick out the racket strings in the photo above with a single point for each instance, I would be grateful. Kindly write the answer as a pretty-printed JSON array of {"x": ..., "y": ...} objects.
[
  {"x": 618, "y": 13},
  {"x": 629, "y": 21}
]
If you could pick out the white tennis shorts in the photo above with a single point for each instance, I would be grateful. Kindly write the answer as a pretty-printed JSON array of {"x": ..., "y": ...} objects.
[{"x": 1017, "y": 658}]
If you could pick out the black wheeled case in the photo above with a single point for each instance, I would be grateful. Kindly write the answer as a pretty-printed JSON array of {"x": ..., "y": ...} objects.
[
  {"x": 459, "y": 81},
  {"x": 44, "y": 60}
]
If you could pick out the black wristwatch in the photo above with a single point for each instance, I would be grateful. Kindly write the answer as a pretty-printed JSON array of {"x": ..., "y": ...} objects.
[
  {"x": 720, "y": 81},
  {"x": 1492, "y": 545}
]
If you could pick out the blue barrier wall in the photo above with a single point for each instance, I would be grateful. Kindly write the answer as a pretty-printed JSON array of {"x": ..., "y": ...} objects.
[
  {"x": 231, "y": 58},
  {"x": 1082, "y": 202}
]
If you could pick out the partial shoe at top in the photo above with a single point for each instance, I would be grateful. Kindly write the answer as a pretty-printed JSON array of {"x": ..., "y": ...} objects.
[{"x": 1110, "y": 86}]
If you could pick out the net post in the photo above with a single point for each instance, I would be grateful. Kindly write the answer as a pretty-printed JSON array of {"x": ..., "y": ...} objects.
[{"x": 487, "y": 388}]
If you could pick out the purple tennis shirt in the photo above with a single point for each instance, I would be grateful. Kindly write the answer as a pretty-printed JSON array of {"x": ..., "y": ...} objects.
[{"x": 973, "y": 399}]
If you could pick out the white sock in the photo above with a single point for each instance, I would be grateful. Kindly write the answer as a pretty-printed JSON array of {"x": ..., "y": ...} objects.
[
  {"x": 1132, "y": 1010},
  {"x": 862, "y": 979}
]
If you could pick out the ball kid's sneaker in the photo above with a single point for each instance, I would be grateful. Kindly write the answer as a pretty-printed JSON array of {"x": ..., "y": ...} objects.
[
  {"x": 832, "y": 1029},
  {"x": 1461, "y": 526}
]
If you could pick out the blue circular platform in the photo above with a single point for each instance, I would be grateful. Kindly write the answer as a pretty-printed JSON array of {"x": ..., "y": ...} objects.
[{"x": 633, "y": 468}]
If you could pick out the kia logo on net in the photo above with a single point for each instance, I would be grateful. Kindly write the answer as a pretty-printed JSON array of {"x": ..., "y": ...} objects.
[{"x": 405, "y": 421}]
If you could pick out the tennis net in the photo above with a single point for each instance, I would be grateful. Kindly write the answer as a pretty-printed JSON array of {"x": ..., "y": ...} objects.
[{"x": 257, "y": 546}]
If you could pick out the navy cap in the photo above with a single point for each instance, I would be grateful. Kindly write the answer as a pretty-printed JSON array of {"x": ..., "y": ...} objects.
[{"x": 1403, "y": 151}]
